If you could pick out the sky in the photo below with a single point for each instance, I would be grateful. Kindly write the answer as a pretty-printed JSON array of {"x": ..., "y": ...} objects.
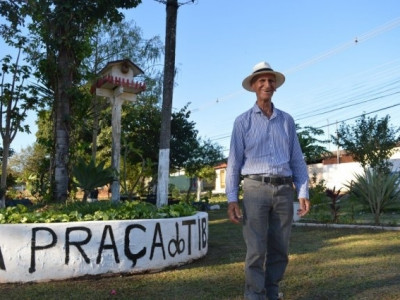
[{"x": 340, "y": 58}]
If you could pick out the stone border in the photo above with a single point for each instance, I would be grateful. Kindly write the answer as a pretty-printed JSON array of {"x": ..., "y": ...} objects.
[
  {"x": 55, "y": 251},
  {"x": 392, "y": 228}
]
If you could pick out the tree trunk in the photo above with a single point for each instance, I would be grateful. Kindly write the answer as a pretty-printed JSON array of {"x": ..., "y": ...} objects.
[
  {"x": 96, "y": 106},
  {"x": 3, "y": 186},
  {"x": 95, "y": 131},
  {"x": 377, "y": 218},
  {"x": 62, "y": 124},
  {"x": 189, "y": 190},
  {"x": 199, "y": 180},
  {"x": 116, "y": 146},
  {"x": 168, "y": 86},
  {"x": 6, "y": 152}
]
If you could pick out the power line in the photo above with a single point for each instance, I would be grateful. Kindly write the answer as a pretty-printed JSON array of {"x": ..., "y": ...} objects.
[
  {"x": 364, "y": 37},
  {"x": 391, "y": 68},
  {"x": 355, "y": 90},
  {"x": 371, "y": 112},
  {"x": 347, "y": 106},
  {"x": 327, "y": 125}
]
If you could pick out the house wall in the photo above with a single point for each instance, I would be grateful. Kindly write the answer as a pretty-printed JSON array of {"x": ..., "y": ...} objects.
[
  {"x": 182, "y": 182},
  {"x": 219, "y": 187},
  {"x": 335, "y": 175}
]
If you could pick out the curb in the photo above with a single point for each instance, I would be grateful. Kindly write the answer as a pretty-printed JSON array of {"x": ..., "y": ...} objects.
[{"x": 388, "y": 228}]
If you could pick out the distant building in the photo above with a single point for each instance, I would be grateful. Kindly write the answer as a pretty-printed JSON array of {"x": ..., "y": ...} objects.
[
  {"x": 336, "y": 170},
  {"x": 220, "y": 170}
]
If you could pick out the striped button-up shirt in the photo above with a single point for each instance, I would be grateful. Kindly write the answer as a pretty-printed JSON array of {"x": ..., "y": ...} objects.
[{"x": 265, "y": 146}]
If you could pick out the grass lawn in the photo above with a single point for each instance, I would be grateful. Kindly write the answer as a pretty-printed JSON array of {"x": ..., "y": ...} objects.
[{"x": 324, "y": 264}]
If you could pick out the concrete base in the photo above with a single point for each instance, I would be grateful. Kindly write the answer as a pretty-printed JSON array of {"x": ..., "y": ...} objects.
[
  {"x": 296, "y": 206},
  {"x": 55, "y": 251}
]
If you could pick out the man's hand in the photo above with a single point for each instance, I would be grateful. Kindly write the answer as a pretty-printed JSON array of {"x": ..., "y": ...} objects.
[
  {"x": 304, "y": 207},
  {"x": 234, "y": 213}
]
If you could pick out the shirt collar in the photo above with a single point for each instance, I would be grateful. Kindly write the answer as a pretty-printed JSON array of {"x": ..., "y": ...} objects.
[{"x": 275, "y": 111}]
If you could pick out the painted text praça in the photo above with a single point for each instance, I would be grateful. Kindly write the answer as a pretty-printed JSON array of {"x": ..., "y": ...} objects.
[{"x": 159, "y": 246}]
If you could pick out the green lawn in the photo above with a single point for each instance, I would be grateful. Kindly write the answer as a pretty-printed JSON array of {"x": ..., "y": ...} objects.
[{"x": 324, "y": 264}]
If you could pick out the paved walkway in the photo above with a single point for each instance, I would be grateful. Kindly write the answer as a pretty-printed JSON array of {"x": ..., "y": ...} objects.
[{"x": 392, "y": 228}]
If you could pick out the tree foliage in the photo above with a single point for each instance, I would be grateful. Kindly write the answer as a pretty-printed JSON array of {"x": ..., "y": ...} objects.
[
  {"x": 312, "y": 147},
  {"x": 141, "y": 127},
  {"x": 370, "y": 141},
  {"x": 32, "y": 166},
  {"x": 11, "y": 11},
  {"x": 201, "y": 163},
  {"x": 61, "y": 32},
  {"x": 133, "y": 175}
]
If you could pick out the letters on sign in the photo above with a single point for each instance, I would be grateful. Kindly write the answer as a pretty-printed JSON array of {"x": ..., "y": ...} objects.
[{"x": 188, "y": 234}]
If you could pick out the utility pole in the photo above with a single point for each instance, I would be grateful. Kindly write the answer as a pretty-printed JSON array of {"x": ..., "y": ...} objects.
[{"x": 338, "y": 147}]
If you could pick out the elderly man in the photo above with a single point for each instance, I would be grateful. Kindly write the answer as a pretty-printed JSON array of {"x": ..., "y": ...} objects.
[{"x": 265, "y": 151}]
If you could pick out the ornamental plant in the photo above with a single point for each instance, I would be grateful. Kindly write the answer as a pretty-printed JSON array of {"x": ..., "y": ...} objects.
[
  {"x": 89, "y": 176},
  {"x": 334, "y": 195},
  {"x": 376, "y": 189}
]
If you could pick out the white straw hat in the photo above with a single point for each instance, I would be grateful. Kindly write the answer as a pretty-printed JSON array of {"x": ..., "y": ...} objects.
[{"x": 262, "y": 68}]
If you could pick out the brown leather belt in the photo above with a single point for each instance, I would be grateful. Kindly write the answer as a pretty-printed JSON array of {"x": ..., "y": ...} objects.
[{"x": 271, "y": 180}]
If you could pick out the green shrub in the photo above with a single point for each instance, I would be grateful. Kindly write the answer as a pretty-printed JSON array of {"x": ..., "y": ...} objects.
[
  {"x": 89, "y": 176},
  {"x": 175, "y": 192},
  {"x": 317, "y": 192},
  {"x": 102, "y": 210},
  {"x": 376, "y": 189}
]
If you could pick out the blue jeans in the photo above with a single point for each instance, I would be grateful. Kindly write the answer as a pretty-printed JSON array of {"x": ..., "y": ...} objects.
[{"x": 267, "y": 224}]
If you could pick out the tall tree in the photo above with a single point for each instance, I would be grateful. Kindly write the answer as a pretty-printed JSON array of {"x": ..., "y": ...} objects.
[
  {"x": 370, "y": 141},
  {"x": 168, "y": 87},
  {"x": 17, "y": 96},
  {"x": 62, "y": 30},
  {"x": 15, "y": 99}
]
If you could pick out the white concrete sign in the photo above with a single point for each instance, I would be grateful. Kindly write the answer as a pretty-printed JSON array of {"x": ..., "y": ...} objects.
[{"x": 54, "y": 251}]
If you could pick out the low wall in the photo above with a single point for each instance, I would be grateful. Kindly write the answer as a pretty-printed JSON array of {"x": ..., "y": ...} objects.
[
  {"x": 55, "y": 251},
  {"x": 336, "y": 175}
]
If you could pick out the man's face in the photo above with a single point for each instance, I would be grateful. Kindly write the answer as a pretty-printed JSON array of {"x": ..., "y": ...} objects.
[{"x": 264, "y": 86}]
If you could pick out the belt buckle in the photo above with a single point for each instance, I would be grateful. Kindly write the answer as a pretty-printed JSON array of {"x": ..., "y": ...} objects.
[
  {"x": 270, "y": 180},
  {"x": 275, "y": 181}
]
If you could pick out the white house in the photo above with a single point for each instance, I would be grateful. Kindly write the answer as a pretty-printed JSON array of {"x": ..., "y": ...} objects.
[{"x": 220, "y": 171}]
